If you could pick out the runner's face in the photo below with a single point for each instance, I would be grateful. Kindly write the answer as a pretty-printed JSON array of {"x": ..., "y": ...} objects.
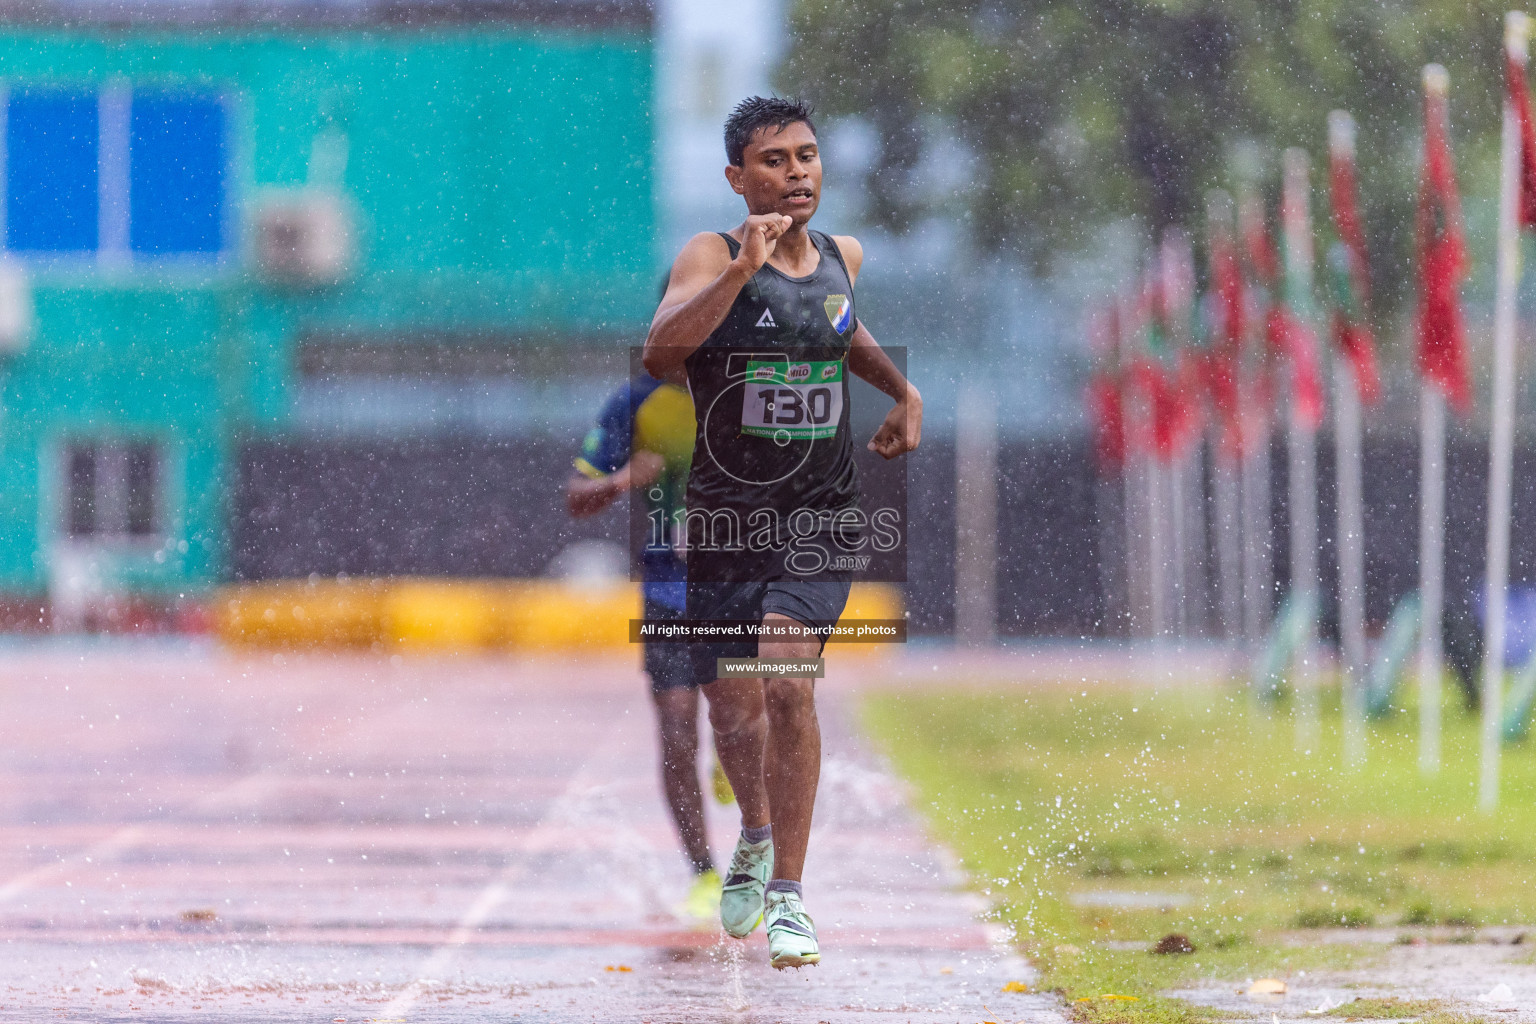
[{"x": 780, "y": 172}]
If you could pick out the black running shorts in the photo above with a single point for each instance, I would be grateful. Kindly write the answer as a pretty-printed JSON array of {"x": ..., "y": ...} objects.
[
  {"x": 667, "y": 664},
  {"x": 815, "y": 601}
]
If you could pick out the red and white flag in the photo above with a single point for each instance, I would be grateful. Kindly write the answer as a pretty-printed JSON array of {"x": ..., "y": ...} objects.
[
  {"x": 1287, "y": 331},
  {"x": 1349, "y": 264},
  {"x": 1228, "y": 303},
  {"x": 1261, "y": 268},
  {"x": 1520, "y": 102},
  {"x": 1106, "y": 393},
  {"x": 1164, "y": 375},
  {"x": 1442, "y": 253},
  {"x": 1289, "y": 338}
]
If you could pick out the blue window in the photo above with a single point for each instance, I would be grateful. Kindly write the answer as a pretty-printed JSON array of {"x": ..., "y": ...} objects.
[
  {"x": 176, "y": 170},
  {"x": 123, "y": 174},
  {"x": 52, "y": 201}
]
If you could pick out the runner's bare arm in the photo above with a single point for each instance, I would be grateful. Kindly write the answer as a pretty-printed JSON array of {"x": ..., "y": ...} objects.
[
  {"x": 853, "y": 255},
  {"x": 703, "y": 284},
  {"x": 587, "y": 496},
  {"x": 903, "y": 426}
]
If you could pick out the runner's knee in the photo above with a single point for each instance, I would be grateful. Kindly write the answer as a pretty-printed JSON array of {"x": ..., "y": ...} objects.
[
  {"x": 677, "y": 710},
  {"x": 679, "y": 739},
  {"x": 727, "y": 717},
  {"x": 788, "y": 698}
]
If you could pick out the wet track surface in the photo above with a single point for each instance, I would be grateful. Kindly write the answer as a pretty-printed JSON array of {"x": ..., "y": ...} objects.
[{"x": 190, "y": 834}]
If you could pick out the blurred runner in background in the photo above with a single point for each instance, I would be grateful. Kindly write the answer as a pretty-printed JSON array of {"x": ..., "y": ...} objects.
[{"x": 643, "y": 441}]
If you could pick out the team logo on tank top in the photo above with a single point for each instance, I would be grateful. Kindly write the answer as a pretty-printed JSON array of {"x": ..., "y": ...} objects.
[{"x": 839, "y": 310}]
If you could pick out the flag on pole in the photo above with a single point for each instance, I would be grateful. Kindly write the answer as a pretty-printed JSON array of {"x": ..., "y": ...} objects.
[
  {"x": 1176, "y": 264},
  {"x": 1165, "y": 374},
  {"x": 1286, "y": 335},
  {"x": 1106, "y": 403},
  {"x": 1106, "y": 393},
  {"x": 1442, "y": 255},
  {"x": 1161, "y": 392},
  {"x": 1228, "y": 303},
  {"x": 1263, "y": 263},
  {"x": 1289, "y": 327},
  {"x": 1520, "y": 103},
  {"x": 1515, "y": 210},
  {"x": 1257, "y": 393},
  {"x": 1261, "y": 269},
  {"x": 1348, "y": 264},
  {"x": 1291, "y": 339}
]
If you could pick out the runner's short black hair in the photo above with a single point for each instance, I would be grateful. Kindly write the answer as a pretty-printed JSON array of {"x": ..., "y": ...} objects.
[{"x": 758, "y": 112}]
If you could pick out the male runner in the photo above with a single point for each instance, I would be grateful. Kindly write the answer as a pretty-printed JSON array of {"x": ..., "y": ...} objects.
[
  {"x": 643, "y": 441},
  {"x": 762, "y": 320}
]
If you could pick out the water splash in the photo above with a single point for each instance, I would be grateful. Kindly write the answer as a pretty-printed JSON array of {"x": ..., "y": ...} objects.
[{"x": 735, "y": 993}]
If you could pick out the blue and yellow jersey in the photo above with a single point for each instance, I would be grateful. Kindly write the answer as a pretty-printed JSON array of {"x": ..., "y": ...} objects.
[{"x": 645, "y": 414}]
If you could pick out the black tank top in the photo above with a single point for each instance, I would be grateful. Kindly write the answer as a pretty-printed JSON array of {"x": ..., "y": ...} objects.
[{"x": 770, "y": 399}]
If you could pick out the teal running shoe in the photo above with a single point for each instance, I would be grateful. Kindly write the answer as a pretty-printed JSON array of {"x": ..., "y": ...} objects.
[
  {"x": 791, "y": 932},
  {"x": 741, "y": 900}
]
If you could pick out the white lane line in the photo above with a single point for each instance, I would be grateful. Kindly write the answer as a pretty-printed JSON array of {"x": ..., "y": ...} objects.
[
  {"x": 249, "y": 786},
  {"x": 126, "y": 836},
  {"x": 549, "y": 824}
]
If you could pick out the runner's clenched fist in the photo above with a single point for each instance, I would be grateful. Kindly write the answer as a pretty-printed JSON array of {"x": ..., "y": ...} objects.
[{"x": 759, "y": 235}]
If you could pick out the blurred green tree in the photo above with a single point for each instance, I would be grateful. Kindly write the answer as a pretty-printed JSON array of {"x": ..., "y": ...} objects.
[{"x": 1072, "y": 113}]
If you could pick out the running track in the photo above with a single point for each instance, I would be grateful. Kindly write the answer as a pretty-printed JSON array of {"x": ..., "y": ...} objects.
[{"x": 192, "y": 835}]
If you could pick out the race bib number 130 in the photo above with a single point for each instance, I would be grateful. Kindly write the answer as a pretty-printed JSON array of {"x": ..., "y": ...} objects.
[{"x": 791, "y": 401}]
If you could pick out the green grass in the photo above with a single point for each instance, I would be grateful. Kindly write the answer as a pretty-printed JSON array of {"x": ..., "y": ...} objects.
[
  {"x": 1387, "y": 1009},
  {"x": 1085, "y": 975},
  {"x": 1205, "y": 800}
]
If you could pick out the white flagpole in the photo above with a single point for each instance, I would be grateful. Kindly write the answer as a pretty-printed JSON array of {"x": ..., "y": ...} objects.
[
  {"x": 1229, "y": 537},
  {"x": 1258, "y": 570},
  {"x": 1258, "y": 530},
  {"x": 976, "y": 518},
  {"x": 1157, "y": 548},
  {"x": 1179, "y": 553},
  {"x": 1501, "y": 456},
  {"x": 1107, "y": 495},
  {"x": 1195, "y": 589},
  {"x": 1301, "y": 437},
  {"x": 1349, "y": 506},
  {"x": 1138, "y": 528},
  {"x": 1351, "y": 527},
  {"x": 1431, "y": 526},
  {"x": 1224, "y": 480},
  {"x": 1176, "y": 266},
  {"x": 1132, "y": 490},
  {"x": 1431, "y": 571}
]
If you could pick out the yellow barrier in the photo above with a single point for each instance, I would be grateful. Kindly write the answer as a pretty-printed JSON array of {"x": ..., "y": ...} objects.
[
  {"x": 437, "y": 615},
  {"x": 871, "y": 601},
  {"x": 874, "y": 601},
  {"x": 552, "y": 615},
  {"x": 299, "y": 613},
  {"x": 412, "y": 615}
]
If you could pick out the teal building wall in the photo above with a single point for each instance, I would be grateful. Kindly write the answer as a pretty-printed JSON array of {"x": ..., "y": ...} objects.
[{"x": 500, "y": 176}]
